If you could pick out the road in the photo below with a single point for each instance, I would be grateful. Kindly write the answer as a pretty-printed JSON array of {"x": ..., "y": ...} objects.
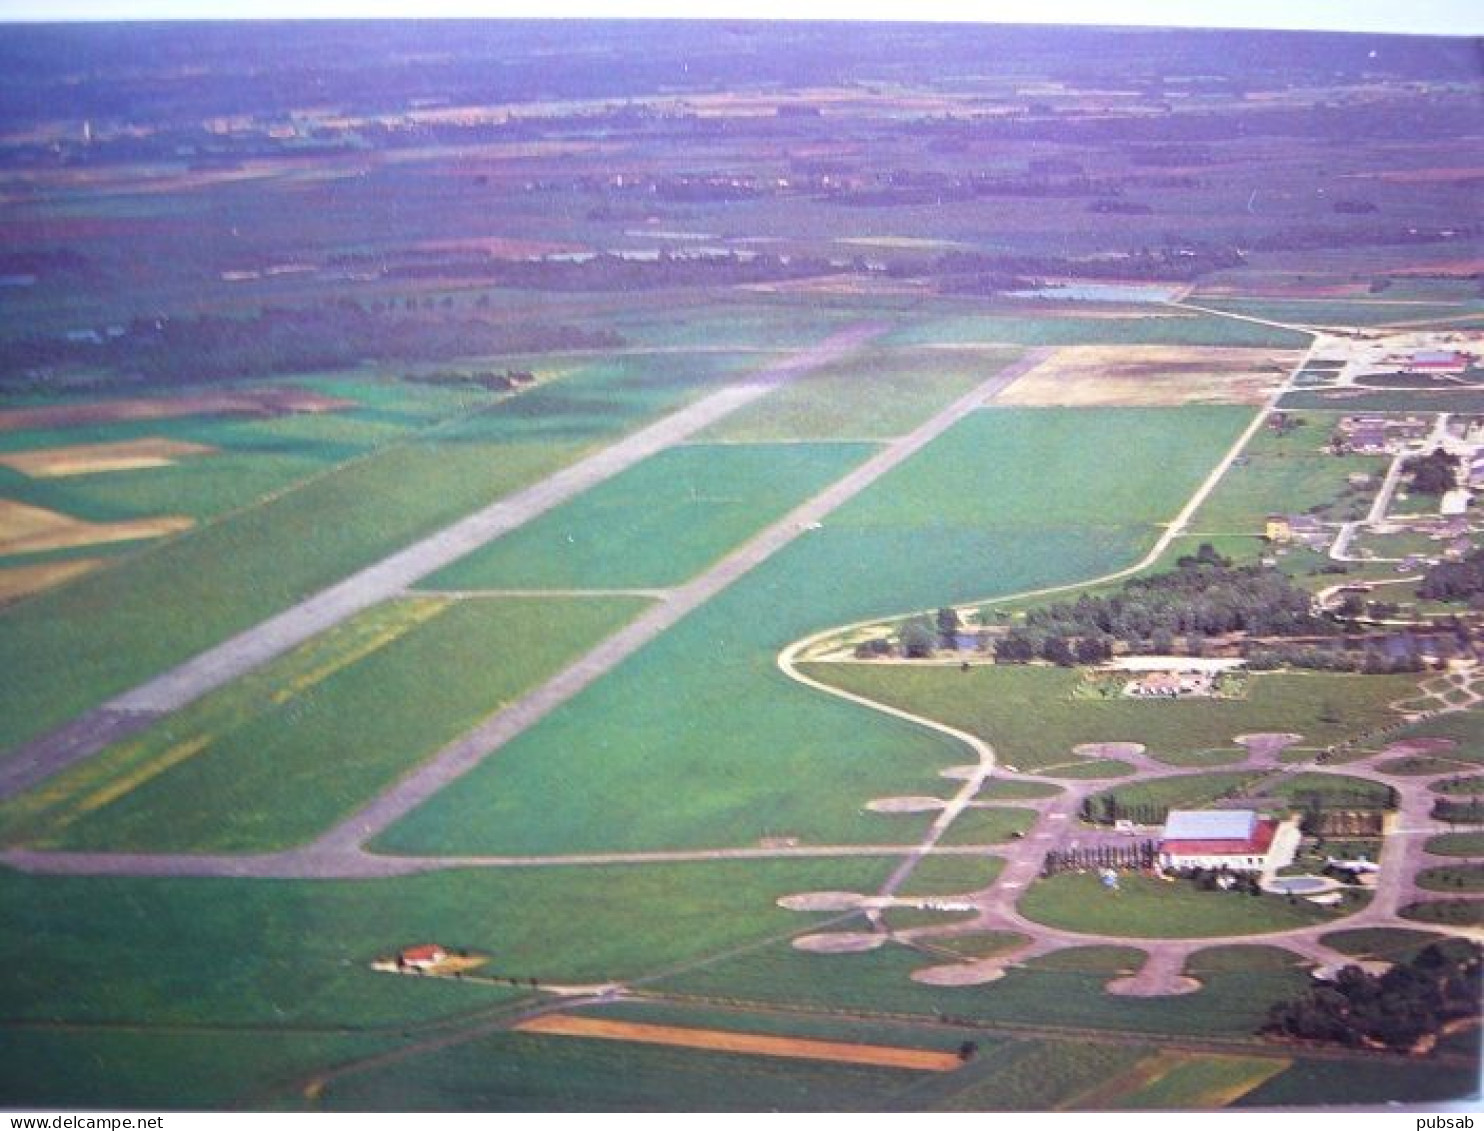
[{"x": 134, "y": 710}]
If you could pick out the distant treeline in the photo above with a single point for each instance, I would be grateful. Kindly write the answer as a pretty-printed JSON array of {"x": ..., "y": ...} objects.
[
  {"x": 208, "y": 348},
  {"x": 618, "y": 273}
]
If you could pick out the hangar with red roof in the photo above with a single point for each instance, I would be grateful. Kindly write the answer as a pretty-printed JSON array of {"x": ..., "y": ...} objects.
[{"x": 1236, "y": 839}]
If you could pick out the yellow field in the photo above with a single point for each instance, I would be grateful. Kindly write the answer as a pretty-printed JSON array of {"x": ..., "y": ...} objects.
[
  {"x": 87, "y": 459},
  {"x": 19, "y": 581},
  {"x": 1098, "y": 376},
  {"x": 29, "y": 530},
  {"x": 756, "y": 1044}
]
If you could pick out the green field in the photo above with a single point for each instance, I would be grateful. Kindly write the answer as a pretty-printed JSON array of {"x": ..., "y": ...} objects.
[
  {"x": 951, "y": 875},
  {"x": 71, "y": 648},
  {"x": 976, "y": 944},
  {"x": 1142, "y": 907},
  {"x": 1192, "y": 1082},
  {"x": 1062, "y": 990},
  {"x": 56, "y": 1067},
  {"x": 270, "y": 982},
  {"x": 1382, "y": 400},
  {"x": 1006, "y": 789},
  {"x": 1393, "y": 944},
  {"x": 522, "y": 1072},
  {"x": 1459, "y": 787},
  {"x": 760, "y": 757},
  {"x": 884, "y": 393},
  {"x": 1283, "y": 482},
  {"x": 254, "y": 457},
  {"x": 656, "y": 524},
  {"x": 1185, "y": 791},
  {"x": 275, "y": 757},
  {"x": 988, "y": 701},
  {"x": 1460, "y": 878},
  {"x": 1448, "y": 912},
  {"x": 1332, "y": 311},
  {"x": 1219, "y": 959},
  {"x": 989, "y": 826},
  {"x": 1457, "y": 844},
  {"x": 1333, "y": 791},
  {"x": 1042, "y": 1075},
  {"x": 1358, "y": 1082},
  {"x": 294, "y": 954},
  {"x": 1027, "y": 469}
]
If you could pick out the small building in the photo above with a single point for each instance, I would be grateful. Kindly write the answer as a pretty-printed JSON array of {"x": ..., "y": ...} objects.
[
  {"x": 1236, "y": 839},
  {"x": 1278, "y": 529},
  {"x": 423, "y": 957}
]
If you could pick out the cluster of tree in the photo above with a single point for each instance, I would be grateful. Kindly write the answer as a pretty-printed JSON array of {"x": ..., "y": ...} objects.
[
  {"x": 1204, "y": 596},
  {"x": 1462, "y": 580},
  {"x": 1365, "y": 661},
  {"x": 483, "y": 378},
  {"x": 1120, "y": 857},
  {"x": 1432, "y": 474},
  {"x": 181, "y": 351},
  {"x": 1399, "y": 1010}
]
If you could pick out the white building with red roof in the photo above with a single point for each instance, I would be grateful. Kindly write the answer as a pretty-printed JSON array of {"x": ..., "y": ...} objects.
[{"x": 1236, "y": 839}]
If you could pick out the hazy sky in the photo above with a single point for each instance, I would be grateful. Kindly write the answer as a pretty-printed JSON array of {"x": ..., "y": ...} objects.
[{"x": 1448, "y": 17}]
